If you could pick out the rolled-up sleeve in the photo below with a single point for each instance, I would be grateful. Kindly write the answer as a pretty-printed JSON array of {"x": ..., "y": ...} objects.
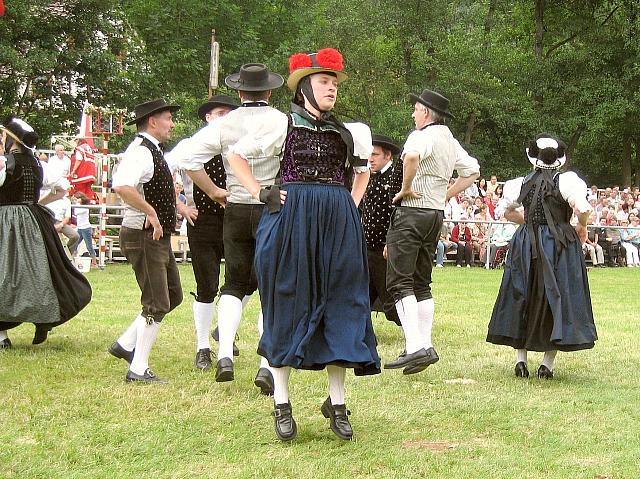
[
  {"x": 466, "y": 165},
  {"x": 362, "y": 145},
  {"x": 574, "y": 190}
]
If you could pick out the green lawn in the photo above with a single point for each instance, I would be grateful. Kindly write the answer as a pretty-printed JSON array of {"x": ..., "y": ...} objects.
[{"x": 67, "y": 412}]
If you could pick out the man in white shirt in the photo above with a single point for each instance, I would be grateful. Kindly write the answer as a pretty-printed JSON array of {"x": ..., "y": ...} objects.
[
  {"x": 255, "y": 119},
  {"x": 61, "y": 210},
  {"x": 144, "y": 181},
  {"x": 430, "y": 156},
  {"x": 60, "y": 164}
]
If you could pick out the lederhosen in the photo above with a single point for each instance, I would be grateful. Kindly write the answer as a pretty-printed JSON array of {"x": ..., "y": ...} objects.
[
  {"x": 152, "y": 260},
  {"x": 376, "y": 216},
  {"x": 205, "y": 236}
]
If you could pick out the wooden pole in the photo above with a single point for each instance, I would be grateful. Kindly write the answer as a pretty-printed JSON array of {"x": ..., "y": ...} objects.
[{"x": 213, "y": 68}]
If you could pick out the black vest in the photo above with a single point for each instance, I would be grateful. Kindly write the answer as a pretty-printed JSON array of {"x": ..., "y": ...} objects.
[
  {"x": 205, "y": 205},
  {"x": 23, "y": 179},
  {"x": 159, "y": 191},
  {"x": 377, "y": 207}
]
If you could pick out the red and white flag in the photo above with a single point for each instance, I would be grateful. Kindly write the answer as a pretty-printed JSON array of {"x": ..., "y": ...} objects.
[{"x": 85, "y": 126}]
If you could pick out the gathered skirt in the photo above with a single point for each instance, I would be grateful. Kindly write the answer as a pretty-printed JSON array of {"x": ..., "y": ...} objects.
[
  {"x": 311, "y": 266},
  {"x": 543, "y": 304},
  {"x": 38, "y": 283}
]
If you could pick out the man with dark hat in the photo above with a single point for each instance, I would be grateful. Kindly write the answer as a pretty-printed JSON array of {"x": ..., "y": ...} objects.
[
  {"x": 430, "y": 156},
  {"x": 254, "y": 83},
  {"x": 145, "y": 183},
  {"x": 204, "y": 231},
  {"x": 377, "y": 207}
]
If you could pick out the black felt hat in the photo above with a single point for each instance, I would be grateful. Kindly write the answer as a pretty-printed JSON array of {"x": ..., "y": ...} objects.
[
  {"x": 433, "y": 100},
  {"x": 254, "y": 77},
  {"x": 386, "y": 143},
  {"x": 214, "y": 101},
  {"x": 145, "y": 110}
]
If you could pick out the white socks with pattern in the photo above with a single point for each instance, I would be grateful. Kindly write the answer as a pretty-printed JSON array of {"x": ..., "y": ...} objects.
[
  {"x": 281, "y": 384},
  {"x": 426, "y": 310},
  {"x": 521, "y": 356},
  {"x": 336, "y": 377},
  {"x": 128, "y": 338},
  {"x": 549, "y": 358}
]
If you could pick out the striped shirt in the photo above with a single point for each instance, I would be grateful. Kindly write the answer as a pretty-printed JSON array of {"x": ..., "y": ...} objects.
[{"x": 440, "y": 154}]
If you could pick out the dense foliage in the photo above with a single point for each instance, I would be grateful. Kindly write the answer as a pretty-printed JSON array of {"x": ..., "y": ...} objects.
[{"x": 512, "y": 68}]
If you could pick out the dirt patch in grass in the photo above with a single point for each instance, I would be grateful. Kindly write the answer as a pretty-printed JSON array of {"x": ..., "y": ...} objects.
[{"x": 436, "y": 446}]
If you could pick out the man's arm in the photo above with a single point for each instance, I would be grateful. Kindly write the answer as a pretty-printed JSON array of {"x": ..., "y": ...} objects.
[
  {"x": 514, "y": 215},
  {"x": 131, "y": 196},
  {"x": 409, "y": 169},
  {"x": 213, "y": 191},
  {"x": 359, "y": 187}
]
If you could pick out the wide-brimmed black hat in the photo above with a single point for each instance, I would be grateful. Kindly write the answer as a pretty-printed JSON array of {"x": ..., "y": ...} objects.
[
  {"x": 20, "y": 131},
  {"x": 386, "y": 143},
  {"x": 254, "y": 77},
  {"x": 214, "y": 101},
  {"x": 433, "y": 100},
  {"x": 145, "y": 110}
]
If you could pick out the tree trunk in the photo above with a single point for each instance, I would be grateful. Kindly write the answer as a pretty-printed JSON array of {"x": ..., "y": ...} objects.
[
  {"x": 626, "y": 162},
  {"x": 573, "y": 142},
  {"x": 471, "y": 123},
  {"x": 488, "y": 21}
]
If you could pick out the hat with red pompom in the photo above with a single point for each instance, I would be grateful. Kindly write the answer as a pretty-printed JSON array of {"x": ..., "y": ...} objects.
[{"x": 304, "y": 64}]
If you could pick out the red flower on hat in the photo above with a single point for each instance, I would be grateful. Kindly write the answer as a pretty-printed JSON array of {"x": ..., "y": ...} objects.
[
  {"x": 330, "y": 58},
  {"x": 299, "y": 60}
]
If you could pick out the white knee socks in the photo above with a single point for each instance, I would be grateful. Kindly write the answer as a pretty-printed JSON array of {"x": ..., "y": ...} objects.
[
  {"x": 202, "y": 318},
  {"x": 146, "y": 336},
  {"x": 3, "y": 335},
  {"x": 426, "y": 311},
  {"x": 229, "y": 315},
  {"x": 336, "y": 377},
  {"x": 281, "y": 384},
  {"x": 128, "y": 338},
  {"x": 521, "y": 356},
  {"x": 549, "y": 358},
  {"x": 407, "y": 309}
]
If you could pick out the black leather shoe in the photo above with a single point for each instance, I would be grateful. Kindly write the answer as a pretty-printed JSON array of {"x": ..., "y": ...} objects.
[
  {"x": 215, "y": 335},
  {"x": 6, "y": 344},
  {"x": 224, "y": 370},
  {"x": 203, "y": 359},
  {"x": 41, "y": 334},
  {"x": 147, "y": 377},
  {"x": 544, "y": 372},
  {"x": 119, "y": 352},
  {"x": 422, "y": 365},
  {"x": 264, "y": 380},
  {"x": 414, "y": 362},
  {"x": 286, "y": 427},
  {"x": 521, "y": 370},
  {"x": 338, "y": 416}
]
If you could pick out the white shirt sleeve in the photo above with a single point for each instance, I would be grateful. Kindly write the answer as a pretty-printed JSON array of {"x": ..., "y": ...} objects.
[
  {"x": 574, "y": 190},
  {"x": 417, "y": 143},
  {"x": 51, "y": 179},
  {"x": 510, "y": 194},
  {"x": 193, "y": 152},
  {"x": 466, "y": 165},
  {"x": 136, "y": 166},
  {"x": 3, "y": 171},
  {"x": 263, "y": 139}
]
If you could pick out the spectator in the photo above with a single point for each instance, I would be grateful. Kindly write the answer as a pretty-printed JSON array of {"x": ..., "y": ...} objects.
[
  {"x": 593, "y": 193},
  {"x": 83, "y": 224},
  {"x": 461, "y": 235},
  {"x": 591, "y": 245},
  {"x": 61, "y": 210},
  {"x": 498, "y": 192},
  {"x": 488, "y": 200},
  {"x": 605, "y": 242},
  {"x": 477, "y": 205},
  {"x": 613, "y": 235},
  {"x": 482, "y": 188},
  {"x": 493, "y": 184},
  {"x": 479, "y": 234},
  {"x": 501, "y": 234},
  {"x": 626, "y": 237},
  {"x": 634, "y": 222},
  {"x": 444, "y": 245},
  {"x": 59, "y": 163}
]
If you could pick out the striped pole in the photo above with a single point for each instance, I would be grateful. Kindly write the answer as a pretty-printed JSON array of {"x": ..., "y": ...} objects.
[{"x": 103, "y": 203}]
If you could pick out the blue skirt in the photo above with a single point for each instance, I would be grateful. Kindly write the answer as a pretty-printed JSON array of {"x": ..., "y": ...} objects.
[
  {"x": 543, "y": 304},
  {"x": 311, "y": 266}
]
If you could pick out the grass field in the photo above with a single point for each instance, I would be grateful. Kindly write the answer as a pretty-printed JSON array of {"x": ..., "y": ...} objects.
[{"x": 67, "y": 412}]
